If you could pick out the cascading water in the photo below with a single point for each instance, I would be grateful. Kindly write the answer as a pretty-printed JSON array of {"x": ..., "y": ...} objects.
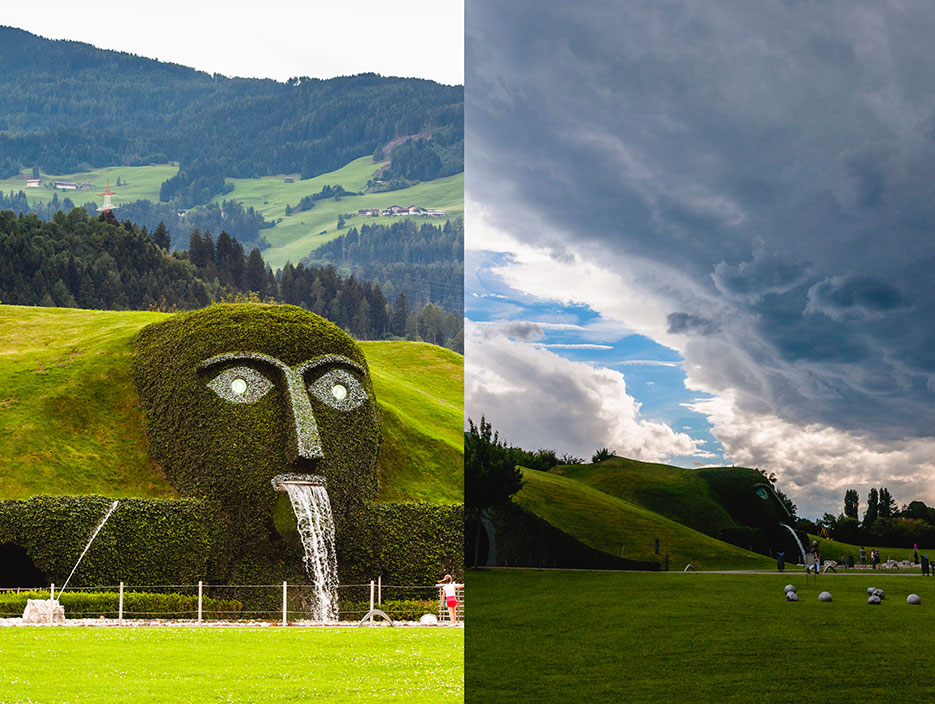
[
  {"x": 93, "y": 536},
  {"x": 797, "y": 541},
  {"x": 315, "y": 524}
]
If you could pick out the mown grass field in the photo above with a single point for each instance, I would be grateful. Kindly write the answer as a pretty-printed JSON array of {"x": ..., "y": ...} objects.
[
  {"x": 295, "y": 236},
  {"x": 837, "y": 551},
  {"x": 165, "y": 665},
  {"x": 671, "y": 637},
  {"x": 70, "y": 422},
  {"x": 620, "y": 527}
]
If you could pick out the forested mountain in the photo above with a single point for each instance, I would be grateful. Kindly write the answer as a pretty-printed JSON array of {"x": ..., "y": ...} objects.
[
  {"x": 424, "y": 262},
  {"x": 83, "y": 262},
  {"x": 66, "y": 105}
]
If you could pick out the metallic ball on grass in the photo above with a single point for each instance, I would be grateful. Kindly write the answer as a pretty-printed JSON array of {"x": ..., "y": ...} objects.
[
  {"x": 913, "y": 599},
  {"x": 874, "y": 600},
  {"x": 792, "y": 596},
  {"x": 789, "y": 588},
  {"x": 879, "y": 593},
  {"x": 824, "y": 596}
]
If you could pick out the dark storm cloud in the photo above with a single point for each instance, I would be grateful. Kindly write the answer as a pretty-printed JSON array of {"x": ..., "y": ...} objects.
[{"x": 778, "y": 156}]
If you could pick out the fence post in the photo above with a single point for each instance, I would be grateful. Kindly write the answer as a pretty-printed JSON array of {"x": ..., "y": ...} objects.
[
  {"x": 199, "y": 601},
  {"x": 120, "y": 607},
  {"x": 284, "y": 597},
  {"x": 371, "y": 602},
  {"x": 380, "y": 590}
]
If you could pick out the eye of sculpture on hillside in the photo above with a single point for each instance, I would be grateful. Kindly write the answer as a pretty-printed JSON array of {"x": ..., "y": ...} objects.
[
  {"x": 240, "y": 385},
  {"x": 762, "y": 492},
  {"x": 339, "y": 389}
]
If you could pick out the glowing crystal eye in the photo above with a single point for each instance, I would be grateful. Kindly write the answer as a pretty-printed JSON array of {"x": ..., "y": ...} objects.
[
  {"x": 339, "y": 389},
  {"x": 762, "y": 493},
  {"x": 240, "y": 385}
]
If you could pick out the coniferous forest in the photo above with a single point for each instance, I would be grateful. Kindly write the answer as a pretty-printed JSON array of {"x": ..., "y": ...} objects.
[
  {"x": 65, "y": 106},
  {"x": 75, "y": 260}
]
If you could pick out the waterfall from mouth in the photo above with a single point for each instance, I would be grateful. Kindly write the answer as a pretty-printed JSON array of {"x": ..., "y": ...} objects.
[
  {"x": 93, "y": 536},
  {"x": 797, "y": 542},
  {"x": 316, "y": 528}
]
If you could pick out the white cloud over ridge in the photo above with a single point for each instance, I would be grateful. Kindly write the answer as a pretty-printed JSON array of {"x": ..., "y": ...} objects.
[{"x": 536, "y": 398}]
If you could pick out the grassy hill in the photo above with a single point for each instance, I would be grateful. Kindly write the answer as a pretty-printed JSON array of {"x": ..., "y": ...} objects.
[
  {"x": 619, "y": 526},
  {"x": 674, "y": 492},
  {"x": 293, "y": 237},
  {"x": 70, "y": 422}
]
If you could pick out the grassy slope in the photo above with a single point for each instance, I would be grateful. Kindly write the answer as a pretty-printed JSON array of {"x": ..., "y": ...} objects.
[
  {"x": 673, "y": 492},
  {"x": 609, "y": 523},
  {"x": 297, "y": 235},
  {"x": 70, "y": 422},
  {"x": 143, "y": 183},
  {"x": 420, "y": 389},
  {"x": 650, "y": 637},
  {"x": 232, "y": 665}
]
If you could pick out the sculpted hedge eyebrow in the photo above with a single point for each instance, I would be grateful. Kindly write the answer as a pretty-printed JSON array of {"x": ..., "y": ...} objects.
[{"x": 327, "y": 359}]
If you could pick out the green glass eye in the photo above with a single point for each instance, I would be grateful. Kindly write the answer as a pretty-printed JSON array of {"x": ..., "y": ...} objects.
[{"x": 762, "y": 493}]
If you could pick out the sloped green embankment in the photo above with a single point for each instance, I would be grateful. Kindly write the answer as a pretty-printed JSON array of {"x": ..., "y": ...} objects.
[
  {"x": 70, "y": 422},
  {"x": 619, "y": 526}
]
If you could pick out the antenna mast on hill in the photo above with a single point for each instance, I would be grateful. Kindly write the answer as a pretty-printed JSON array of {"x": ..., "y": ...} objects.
[{"x": 108, "y": 204}]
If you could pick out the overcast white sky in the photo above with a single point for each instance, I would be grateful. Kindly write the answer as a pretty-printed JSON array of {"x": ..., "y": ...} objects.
[{"x": 408, "y": 38}]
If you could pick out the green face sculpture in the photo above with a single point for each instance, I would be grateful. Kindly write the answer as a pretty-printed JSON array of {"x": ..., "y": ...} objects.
[{"x": 236, "y": 395}]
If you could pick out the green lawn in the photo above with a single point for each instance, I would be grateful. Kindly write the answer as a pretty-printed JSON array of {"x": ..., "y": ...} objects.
[
  {"x": 838, "y": 551},
  {"x": 611, "y": 524},
  {"x": 70, "y": 422},
  {"x": 670, "y": 637},
  {"x": 165, "y": 665}
]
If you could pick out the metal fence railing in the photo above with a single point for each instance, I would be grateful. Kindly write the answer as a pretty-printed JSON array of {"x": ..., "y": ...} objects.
[{"x": 281, "y": 603}]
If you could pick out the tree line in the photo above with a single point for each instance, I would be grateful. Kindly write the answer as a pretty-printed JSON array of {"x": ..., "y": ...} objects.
[
  {"x": 78, "y": 261},
  {"x": 424, "y": 261},
  {"x": 884, "y": 523}
]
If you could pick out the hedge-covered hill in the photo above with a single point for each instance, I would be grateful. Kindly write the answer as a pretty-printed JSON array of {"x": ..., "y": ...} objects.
[
  {"x": 70, "y": 422},
  {"x": 624, "y": 528}
]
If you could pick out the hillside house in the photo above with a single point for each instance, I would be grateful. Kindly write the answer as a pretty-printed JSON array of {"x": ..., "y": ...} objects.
[
  {"x": 33, "y": 182},
  {"x": 66, "y": 185},
  {"x": 289, "y": 179},
  {"x": 85, "y": 186}
]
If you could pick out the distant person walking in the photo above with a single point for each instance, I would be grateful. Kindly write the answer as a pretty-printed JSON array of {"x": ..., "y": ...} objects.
[
  {"x": 915, "y": 553},
  {"x": 875, "y": 557},
  {"x": 816, "y": 557},
  {"x": 780, "y": 561},
  {"x": 863, "y": 555},
  {"x": 451, "y": 596}
]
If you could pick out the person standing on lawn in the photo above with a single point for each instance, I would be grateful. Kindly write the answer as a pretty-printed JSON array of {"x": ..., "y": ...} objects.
[{"x": 451, "y": 596}]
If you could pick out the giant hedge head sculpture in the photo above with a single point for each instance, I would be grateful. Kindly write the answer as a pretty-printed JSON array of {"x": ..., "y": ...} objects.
[{"x": 235, "y": 395}]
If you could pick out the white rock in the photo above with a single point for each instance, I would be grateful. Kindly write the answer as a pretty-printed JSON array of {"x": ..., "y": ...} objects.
[{"x": 43, "y": 611}]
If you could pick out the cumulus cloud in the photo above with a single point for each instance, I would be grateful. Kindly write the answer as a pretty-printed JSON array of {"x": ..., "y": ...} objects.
[{"x": 536, "y": 398}]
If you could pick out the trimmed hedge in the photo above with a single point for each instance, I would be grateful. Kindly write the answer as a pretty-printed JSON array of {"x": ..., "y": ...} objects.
[
  {"x": 405, "y": 543},
  {"x": 401, "y": 610},
  {"x": 135, "y": 605},
  {"x": 146, "y": 541}
]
